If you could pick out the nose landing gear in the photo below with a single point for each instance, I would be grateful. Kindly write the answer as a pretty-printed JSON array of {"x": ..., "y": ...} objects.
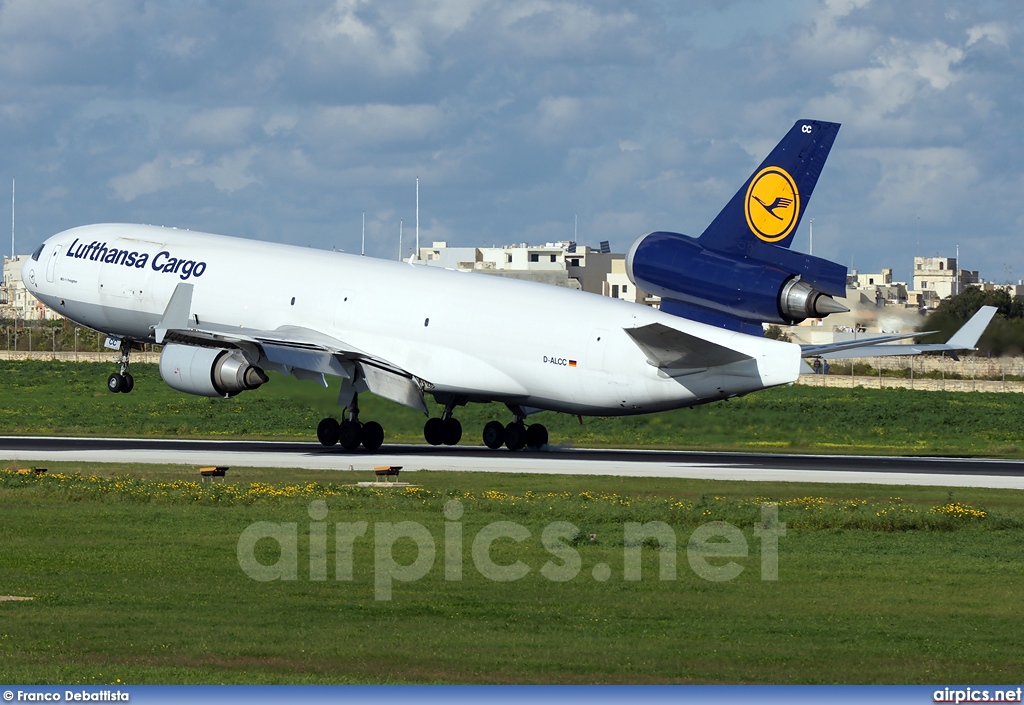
[{"x": 122, "y": 381}]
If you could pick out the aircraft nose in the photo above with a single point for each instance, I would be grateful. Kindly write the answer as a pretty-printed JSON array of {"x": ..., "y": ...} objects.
[{"x": 32, "y": 269}]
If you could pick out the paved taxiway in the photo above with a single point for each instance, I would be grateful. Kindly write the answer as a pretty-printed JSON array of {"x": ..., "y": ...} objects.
[{"x": 943, "y": 472}]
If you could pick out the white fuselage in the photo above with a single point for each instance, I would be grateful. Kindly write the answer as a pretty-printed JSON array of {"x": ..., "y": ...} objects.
[{"x": 476, "y": 336}]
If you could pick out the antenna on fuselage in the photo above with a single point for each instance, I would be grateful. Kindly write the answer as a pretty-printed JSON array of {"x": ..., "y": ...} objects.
[
  {"x": 399, "y": 239},
  {"x": 362, "y": 250}
]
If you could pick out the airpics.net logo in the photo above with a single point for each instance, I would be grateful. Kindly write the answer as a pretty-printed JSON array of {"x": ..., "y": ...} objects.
[{"x": 711, "y": 549}]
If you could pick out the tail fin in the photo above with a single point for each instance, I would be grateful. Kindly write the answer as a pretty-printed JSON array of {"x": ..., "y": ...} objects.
[{"x": 771, "y": 203}]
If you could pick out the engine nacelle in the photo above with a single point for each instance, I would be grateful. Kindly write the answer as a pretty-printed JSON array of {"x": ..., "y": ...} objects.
[
  {"x": 770, "y": 288},
  {"x": 208, "y": 372}
]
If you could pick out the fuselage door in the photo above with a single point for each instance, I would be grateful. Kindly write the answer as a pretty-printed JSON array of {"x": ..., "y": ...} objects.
[{"x": 51, "y": 264}]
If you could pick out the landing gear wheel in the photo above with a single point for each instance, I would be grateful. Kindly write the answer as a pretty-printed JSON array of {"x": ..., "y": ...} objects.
[
  {"x": 129, "y": 383},
  {"x": 515, "y": 436},
  {"x": 328, "y": 431},
  {"x": 434, "y": 431},
  {"x": 494, "y": 435},
  {"x": 350, "y": 434},
  {"x": 373, "y": 435},
  {"x": 115, "y": 383},
  {"x": 536, "y": 436},
  {"x": 452, "y": 432}
]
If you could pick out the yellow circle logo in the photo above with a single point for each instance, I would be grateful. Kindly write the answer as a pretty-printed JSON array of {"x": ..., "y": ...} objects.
[{"x": 773, "y": 204}]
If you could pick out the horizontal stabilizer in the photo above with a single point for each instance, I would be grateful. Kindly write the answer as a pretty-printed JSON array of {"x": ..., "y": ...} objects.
[
  {"x": 671, "y": 349},
  {"x": 966, "y": 338},
  {"x": 969, "y": 334},
  {"x": 827, "y": 348}
]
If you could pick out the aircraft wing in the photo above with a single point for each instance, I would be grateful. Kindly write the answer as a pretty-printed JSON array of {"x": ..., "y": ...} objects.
[
  {"x": 301, "y": 352},
  {"x": 966, "y": 338}
]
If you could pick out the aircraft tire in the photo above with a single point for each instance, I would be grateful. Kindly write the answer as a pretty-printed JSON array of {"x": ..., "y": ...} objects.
[
  {"x": 328, "y": 431},
  {"x": 433, "y": 431},
  {"x": 494, "y": 435},
  {"x": 515, "y": 436},
  {"x": 129, "y": 383},
  {"x": 536, "y": 436},
  {"x": 115, "y": 383},
  {"x": 350, "y": 434},
  {"x": 452, "y": 432},
  {"x": 373, "y": 435}
]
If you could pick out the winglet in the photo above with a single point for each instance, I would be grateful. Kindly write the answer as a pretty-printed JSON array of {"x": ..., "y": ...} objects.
[
  {"x": 176, "y": 315},
  {"x": 967, "y": 337}
]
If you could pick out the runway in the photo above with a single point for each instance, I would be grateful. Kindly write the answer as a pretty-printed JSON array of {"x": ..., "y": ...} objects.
[{"x": 758, "y": 467}]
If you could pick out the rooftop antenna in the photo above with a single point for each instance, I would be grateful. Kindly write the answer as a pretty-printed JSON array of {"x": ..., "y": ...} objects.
[
  {"x": 956, "y": 271},
  {"x": 399, "y": 239},
  {"x": 575, "y": 225},
  {"x": 12, "y": 218},
  {"x": 417, "y": 218},
  {"x": 362, "y": 250}
]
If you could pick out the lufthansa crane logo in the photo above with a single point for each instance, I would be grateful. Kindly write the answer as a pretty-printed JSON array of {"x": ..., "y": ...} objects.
[{"x": 773, "y": 204}]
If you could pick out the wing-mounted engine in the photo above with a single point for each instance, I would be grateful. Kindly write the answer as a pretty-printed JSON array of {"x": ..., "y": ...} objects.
[
  {"x": 208, "y": 372},
  {"x": 764, "y": 284},
  {"x": 740, "y": 272}
]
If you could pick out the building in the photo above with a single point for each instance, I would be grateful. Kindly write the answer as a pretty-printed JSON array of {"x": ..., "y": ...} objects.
[
  {"x": 542, "y": 263},
  {"x": 560, "y": 263},
  {"x": 941, "y": 275},
  {"x": 1016, "y": 291},
  {"x": 16, "y": 303},
  {"x": 874, "y": 290}
]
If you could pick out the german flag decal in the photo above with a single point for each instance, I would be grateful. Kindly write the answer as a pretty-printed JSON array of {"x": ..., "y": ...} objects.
[{"x": 572, "y": 363}]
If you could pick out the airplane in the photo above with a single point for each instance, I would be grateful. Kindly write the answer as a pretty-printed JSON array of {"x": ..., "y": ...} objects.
[{"x": 227, "y": 310}]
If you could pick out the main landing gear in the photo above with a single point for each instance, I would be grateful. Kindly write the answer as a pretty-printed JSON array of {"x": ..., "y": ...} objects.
[
  {"x": 516, "y": 435},
  {"x": 350, "y": 433},
  {"x": 122, "y": 381},
  {"x": 445, "y": 430}
]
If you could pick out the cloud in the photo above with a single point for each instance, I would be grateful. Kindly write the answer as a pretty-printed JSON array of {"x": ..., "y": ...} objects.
[
  {"x": 883, "y": 95},
  {"x": 367, "y": 126},
  {"x": 995, "y": 32},
  {"x": 284, "y": 120},
  {"x": 227, "y": 174},
  {"x": 229, "y": 125}
]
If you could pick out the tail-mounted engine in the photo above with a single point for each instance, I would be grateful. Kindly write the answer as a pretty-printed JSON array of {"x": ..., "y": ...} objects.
[
  {"x": 760, "y": 284},
  {"x": 741, "y": 271},
  {"x": 208, "y": 372}
]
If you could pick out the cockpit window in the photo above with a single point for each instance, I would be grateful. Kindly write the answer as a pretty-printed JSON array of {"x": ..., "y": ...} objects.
[{"x": 39, "y": 251}]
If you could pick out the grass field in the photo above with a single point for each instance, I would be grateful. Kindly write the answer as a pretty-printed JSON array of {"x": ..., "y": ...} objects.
[
  {"x": 138, "y": 580},
  {"x": 71, "y": 399},
  {"x": 136, "y": 576}
]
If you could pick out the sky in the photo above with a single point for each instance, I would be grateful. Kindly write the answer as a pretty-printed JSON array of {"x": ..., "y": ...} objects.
[{"x": 286, "y": 121}]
